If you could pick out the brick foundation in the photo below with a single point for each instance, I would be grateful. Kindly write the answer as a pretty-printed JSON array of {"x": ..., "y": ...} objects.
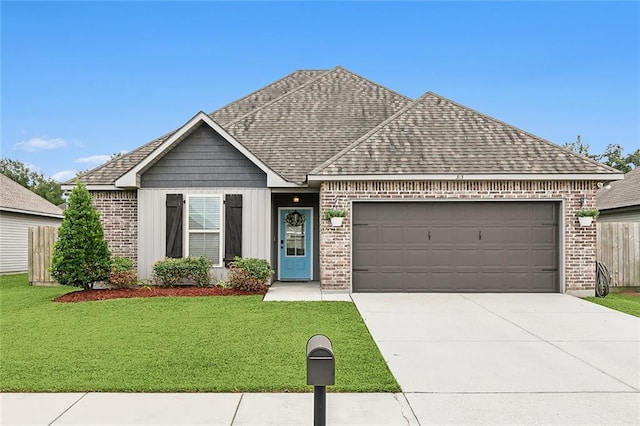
[
  {"x": 119, "y": 217},
  {"x": 579, "y": 242}
]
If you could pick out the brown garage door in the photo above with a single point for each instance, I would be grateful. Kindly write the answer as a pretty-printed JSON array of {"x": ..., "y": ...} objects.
[{"x": 455, "y": 247}]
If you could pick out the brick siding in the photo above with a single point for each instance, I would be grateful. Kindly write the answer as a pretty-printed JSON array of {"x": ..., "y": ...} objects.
[
  {"x": 119, "y": 217},
  {"x": 580, "y": 242}
]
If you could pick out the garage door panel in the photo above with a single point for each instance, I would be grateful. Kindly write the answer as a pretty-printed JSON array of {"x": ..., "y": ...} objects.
[
  {"x": 545, "y": 235},
  {"x": 365, "y": 234},
  {"x": 543, "y": 258},
  {"x": 415, "y": 234},
  {"x": 365, "y": 258},
  {"x": 456, "y": 246},
  {"x": 392, "y": 257}
]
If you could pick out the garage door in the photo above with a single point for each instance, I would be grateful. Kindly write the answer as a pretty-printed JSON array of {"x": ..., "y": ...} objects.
[{"x": 455, "y": 247}]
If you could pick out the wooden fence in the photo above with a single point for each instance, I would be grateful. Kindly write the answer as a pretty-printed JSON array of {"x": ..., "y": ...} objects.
[
  {"x": 41, "y": 240},
  {"x": 619, "y": 249}
]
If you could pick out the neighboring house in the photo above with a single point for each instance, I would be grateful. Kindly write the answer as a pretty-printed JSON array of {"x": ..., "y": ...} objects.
[
  {"x": 19, "y": 209},
  {"x": 438, "y": 197},
  {"x": 620, "y": 202}
]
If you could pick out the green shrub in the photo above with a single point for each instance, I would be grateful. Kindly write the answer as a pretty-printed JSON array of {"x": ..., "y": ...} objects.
[
  {"x": 594, "y": 213},
  {"x": 169, "y": 272},
  {"x": 329, "y": 213},
  {"x": 122, "y": 274},
  {"x": 80, "y": 255},
  {"x": 249, "y": 274}
]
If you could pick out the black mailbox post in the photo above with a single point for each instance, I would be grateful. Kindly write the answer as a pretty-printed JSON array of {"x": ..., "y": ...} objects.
[{"x": 321, "y": 372}]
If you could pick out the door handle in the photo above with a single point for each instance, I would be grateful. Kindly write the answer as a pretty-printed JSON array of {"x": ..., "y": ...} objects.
[
  {"x": 479, "y": 235},
  {"x": 429, "y": 235}
]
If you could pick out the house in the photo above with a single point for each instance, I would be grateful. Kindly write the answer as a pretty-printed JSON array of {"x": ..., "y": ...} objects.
[
  {"x": 20, "y": 209},
  {"x": 620, "y": 202},
  {"x": 438, "y": 197}
]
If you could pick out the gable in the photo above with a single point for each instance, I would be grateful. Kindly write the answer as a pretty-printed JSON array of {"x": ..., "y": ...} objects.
[
  {"x": 302, "y": 129},
  {"x": 110, "y": 172},
  {"x": 440, "y": 138},
  {"x": 203, "y": 159}
]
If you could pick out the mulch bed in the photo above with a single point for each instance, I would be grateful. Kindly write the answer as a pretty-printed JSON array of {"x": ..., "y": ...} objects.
[{"x": 92, "y": 295}]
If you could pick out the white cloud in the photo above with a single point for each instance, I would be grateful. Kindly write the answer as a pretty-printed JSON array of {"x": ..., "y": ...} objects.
[
  {"x": 64, "y": 175},
  {"x": 39, "y": 144},
  {"x": 94, "y": 159}
]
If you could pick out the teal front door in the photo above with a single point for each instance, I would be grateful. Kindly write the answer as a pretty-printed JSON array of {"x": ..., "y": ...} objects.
[{"x": 295, "y": 230}]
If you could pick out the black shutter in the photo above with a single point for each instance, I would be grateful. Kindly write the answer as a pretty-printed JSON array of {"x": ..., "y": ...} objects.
[
  {"x": 232, "y": 227},
  {"x": 174, "y": 225}
]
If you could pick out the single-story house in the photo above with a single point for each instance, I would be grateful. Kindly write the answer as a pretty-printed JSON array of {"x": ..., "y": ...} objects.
[
  {"x": 620, "y": 200},
  {"x": 20, "y": 209},
  {"x": 438, "y": 197}
]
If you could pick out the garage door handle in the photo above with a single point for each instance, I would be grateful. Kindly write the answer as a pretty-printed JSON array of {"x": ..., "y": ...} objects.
[
  {"x": 429, "y": 234},
  {"x": 479, "y": 235},
  {"x": 360, "y": 270},
  {"x": 549, "y": 270}
]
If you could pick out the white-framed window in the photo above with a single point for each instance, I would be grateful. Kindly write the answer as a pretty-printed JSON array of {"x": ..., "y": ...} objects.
[{"x": 204, "y": 227}]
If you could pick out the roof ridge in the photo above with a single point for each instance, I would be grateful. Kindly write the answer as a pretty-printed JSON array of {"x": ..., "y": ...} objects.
[
  {"x": 366, "y": 136},
  {"x": 374, "y": 83},
  {"x": 258, "y": 90},
  {"x": 284, "y": 95},
  {"x": 541, "y": 139}
]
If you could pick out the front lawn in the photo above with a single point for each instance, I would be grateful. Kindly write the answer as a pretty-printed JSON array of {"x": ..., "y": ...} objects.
[
  {"x": 627, "y": 303},
  {"x": 181, "y": 344}
]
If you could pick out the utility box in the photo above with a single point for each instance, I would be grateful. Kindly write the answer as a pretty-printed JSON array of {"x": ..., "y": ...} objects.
[{"x": 321, "y": 364}]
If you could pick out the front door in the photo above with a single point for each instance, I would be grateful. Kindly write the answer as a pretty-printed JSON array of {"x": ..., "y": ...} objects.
[{"x": 295, "y": 230}]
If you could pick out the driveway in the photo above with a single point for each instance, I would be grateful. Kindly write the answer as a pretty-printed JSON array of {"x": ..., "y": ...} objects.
[{"x": 508, "y": 358}]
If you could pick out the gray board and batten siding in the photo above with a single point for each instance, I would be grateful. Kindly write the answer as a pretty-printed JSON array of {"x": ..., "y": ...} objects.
[
  {"x": 204, "y": 159},
  {"x": 256, "y": 223},
  {"x": 456, "y": 247}
]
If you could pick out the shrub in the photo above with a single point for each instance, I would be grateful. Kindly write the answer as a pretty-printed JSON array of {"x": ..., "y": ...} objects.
[
  {"x": 122, "y": 274},
  {"x": 329, "y": 213},
  {"x": 249, "y": 274},
  {"x": 594, "y": 213},
  {"x": 169, "y": 272},
  {"x": 80, "y": 255}
]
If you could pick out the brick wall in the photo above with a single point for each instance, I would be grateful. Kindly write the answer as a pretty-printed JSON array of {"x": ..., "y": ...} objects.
[
  {"x": 580, "y": 242},
  {"x": 119, "y": 217}
]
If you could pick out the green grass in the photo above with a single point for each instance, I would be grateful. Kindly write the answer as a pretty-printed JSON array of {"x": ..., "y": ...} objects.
[
  {"x": 188, "y": 344},
  {"x": 627, "y": 303}
]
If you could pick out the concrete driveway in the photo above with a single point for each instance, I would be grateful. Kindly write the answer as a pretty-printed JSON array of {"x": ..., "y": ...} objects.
[{"x": 508, "y": 358}]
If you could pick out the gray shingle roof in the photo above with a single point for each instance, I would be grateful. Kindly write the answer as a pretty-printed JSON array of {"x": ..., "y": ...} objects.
[
  {"x": 623, "y": 193},
  {"x": 302, "y": 129},
  {"x": 437, "y": 136},
  {"x": 14, "y": 196},
  {"x": 108, "y": 173}
]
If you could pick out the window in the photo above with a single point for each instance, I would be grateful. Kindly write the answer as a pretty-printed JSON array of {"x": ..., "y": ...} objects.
[{"x": 204, "y": 234}]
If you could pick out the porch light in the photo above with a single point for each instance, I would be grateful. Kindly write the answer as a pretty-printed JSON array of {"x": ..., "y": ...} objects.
[{"x": 296, "y": 199}]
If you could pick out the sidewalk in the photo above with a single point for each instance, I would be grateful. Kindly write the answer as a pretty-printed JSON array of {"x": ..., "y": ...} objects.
[{"x": 224, "y": 409}]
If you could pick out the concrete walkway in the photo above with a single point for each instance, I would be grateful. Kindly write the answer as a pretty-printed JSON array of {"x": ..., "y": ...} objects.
[
  {"x": 295, "y": 291},
  {"x": 508, "y": 358},
  {"x": 224, "y": 409}
]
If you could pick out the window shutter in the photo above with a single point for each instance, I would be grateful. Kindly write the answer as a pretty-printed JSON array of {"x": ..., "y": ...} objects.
[
  {"x": 233, "y": 227},
  {"x": 174, "y": 225}
]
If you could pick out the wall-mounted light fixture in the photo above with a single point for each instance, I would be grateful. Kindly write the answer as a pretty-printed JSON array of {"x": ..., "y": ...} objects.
[
  {"x": 296, "y": 199},
  {"x": 583, "y": 201}
]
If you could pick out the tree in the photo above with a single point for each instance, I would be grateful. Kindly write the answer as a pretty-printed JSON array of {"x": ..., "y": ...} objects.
[
  {"x": 578, "y": 147},
  {"x": 612, "y": 156},
  {"x": 80, "y": 255},
  {"x": 17, "y": 171}
]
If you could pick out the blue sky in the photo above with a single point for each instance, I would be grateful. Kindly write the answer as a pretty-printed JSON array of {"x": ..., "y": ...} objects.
[{"x": 83, "y": 80}]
